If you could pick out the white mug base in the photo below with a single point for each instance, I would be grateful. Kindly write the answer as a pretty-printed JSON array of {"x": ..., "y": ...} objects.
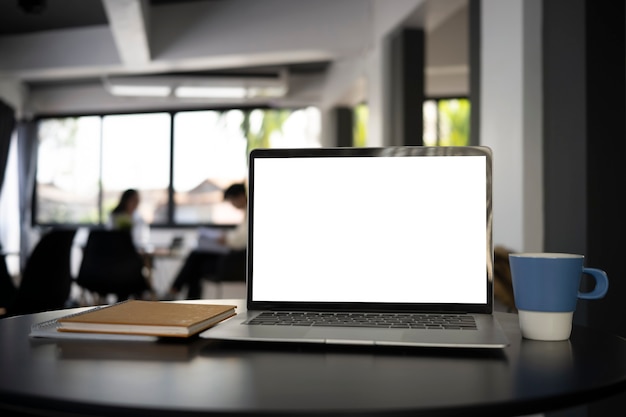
[{"x": 545, "y": 325}]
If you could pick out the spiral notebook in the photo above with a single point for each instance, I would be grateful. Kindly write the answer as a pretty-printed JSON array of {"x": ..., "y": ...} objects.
[
  {"x": 49, "y": 329},
  {"x": 142, "y": 318}
]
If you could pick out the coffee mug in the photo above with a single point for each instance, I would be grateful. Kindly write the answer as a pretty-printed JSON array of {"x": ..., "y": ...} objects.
[{"x": 546, "y": 288}]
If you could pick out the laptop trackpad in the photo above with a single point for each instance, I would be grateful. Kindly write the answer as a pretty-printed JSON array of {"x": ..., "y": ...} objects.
[
  {"x": 323, "y": 334},
  {"x": 365, "y": 336},
  {"x": 282, "y": 333}
]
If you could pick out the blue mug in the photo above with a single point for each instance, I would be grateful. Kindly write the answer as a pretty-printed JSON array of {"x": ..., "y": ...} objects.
[{"x": 546, "y": 289}]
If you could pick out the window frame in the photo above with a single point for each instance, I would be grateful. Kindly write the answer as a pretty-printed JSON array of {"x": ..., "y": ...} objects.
[
  {"x": 169, "y": 223},
  {"x": 438, "y": 99}
]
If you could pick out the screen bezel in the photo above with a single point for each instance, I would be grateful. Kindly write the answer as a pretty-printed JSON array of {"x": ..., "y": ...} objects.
[{"x": 394, "y": 151}]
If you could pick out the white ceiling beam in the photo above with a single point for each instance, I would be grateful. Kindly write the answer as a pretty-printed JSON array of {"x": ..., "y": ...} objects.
[{"x": 129, "y": 25}]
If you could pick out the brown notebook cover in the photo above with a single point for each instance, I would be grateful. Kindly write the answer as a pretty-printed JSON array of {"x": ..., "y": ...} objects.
[{"x": 156, "y": 318}]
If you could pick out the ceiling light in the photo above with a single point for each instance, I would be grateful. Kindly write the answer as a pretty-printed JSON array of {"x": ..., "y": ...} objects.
[
  {"x": 279, "y": 91},
  {"x": 140, "y": 90},
  {"x": 222, "y": 87},
  {"x": 213, "y": 92}
]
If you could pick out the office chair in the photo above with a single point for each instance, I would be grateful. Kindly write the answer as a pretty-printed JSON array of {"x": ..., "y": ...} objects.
[
  {"x": 231, "y": 268},
  {"x": 46, "y": 279},
  {"x": 502, "y": 282},
  {"x": 111, "y": 264}
]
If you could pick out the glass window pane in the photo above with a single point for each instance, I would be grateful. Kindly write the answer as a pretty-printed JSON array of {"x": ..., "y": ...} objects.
[
  {"x": 136, "y": 154},
  {"x": 430, "y": 123},
  {"x": 68, "y": 169},
  {"x": 209, "y": 155},
  {"x": 361, "y": 116},
  {"x": 292, "y": 128},
  {"x": 86, "y": 163},
  {"x": 282, "y": 128},
  {"x": 454, "y": 119}
]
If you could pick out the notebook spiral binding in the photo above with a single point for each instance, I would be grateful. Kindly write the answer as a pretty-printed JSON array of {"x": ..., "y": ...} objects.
[{"x": 48, "y": 329}]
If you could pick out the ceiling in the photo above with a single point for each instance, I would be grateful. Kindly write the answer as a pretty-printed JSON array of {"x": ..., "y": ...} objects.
[
  {"x": 28, "y": 16},
  {"x": 20, "y": 17},
  {"x": 64, "y": 43}
]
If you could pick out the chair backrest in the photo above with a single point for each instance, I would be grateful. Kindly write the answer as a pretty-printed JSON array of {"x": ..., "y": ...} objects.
[
  {"x": 232, "y": 266},
  {"x": 46, "y": 279},
  {"x": 112, "y": 265}
]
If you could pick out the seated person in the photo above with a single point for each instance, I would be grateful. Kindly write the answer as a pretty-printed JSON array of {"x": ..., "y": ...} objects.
[
  {"x": 203, "y": 262},
  {"x": 125, "y": 216}
]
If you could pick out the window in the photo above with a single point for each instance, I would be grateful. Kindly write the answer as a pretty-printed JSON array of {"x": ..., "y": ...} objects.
[
  {"x": 68, "y": 170},
  {"x": 209, "y": 155},
  {"x": 84, "y": 163},
  {"x": 446, "y": 122},
  {"x": 136, "y": 154},
  {"x": 361, "y": 113}
]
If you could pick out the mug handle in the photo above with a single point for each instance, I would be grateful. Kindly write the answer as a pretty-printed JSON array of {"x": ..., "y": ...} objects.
[{"x": 602, "y": 284}]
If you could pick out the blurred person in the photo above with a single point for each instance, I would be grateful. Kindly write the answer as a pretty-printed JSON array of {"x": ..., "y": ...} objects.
[
  {"x": 126, "y": 217},
  {"x": 216, "y": 254}
]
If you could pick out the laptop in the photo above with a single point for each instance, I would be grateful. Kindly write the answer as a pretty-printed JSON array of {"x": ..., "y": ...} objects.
[{"x": 369, "y": 246}]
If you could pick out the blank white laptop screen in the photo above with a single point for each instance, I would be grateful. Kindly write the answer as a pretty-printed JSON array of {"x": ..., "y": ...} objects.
[{"x": 370, "y": 229}]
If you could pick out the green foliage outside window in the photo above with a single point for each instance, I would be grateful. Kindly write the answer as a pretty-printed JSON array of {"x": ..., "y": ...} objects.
[
  {"x": 260, "y": 133},
  {"x": 361, "y": 113},
  {"x": 446, "y": 123},
  {"x": 454, "y": 122}
]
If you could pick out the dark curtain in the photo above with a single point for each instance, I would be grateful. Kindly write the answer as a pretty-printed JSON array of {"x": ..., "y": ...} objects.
[
  {"x": 27, "y": 158},
  {"x": 7, "y": 126}
]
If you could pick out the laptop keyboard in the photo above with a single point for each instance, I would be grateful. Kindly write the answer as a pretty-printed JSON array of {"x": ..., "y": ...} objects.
[{"x": 379, "y": 320}]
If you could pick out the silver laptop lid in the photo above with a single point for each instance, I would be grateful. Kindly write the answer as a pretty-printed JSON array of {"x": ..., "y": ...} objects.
[{"x": 370, "y": 229}]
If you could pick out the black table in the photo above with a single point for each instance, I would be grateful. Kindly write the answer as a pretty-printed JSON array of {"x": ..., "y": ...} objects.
[{"x": 203, "y": 377}]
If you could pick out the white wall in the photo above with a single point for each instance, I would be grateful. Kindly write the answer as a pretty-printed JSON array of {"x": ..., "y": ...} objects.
[
  {"x": 364, "y": 76},
  {"x": 510, "y": 118},
  {"x": 386, "y": 19}
]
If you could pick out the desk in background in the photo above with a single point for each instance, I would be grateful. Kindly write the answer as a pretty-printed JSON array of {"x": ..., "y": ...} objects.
[
  {"x": 150, "y": 254},
  {"x": 206, "y": 377}
]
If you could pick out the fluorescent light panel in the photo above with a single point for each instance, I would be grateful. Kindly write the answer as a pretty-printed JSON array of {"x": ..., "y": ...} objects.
[
  {"x": 197, "y": 87},
  {"x": 213, "y": 92},
  {"x": 140, "y": 90}
]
